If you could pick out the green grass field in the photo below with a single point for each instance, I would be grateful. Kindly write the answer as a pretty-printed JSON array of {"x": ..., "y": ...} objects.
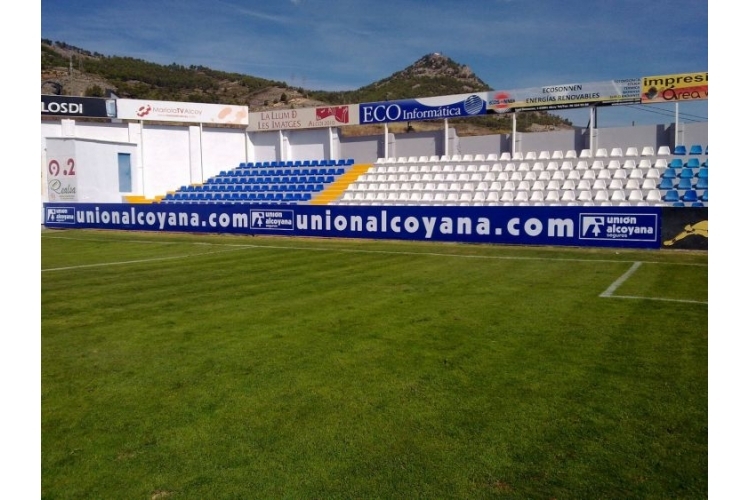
[{"x": 230, "y": 367}]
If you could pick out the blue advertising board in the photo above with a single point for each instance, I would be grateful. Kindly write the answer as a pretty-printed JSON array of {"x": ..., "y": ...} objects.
[
  {"x": 630, "y": 227},
  {"x": 427, "y": 108}
]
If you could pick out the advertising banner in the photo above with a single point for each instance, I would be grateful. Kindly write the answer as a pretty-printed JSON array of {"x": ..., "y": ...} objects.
[
  {"x": 674, "y": 88},
  {"x": 184, "y": 112},
  {"x": 566, "y": 96},
  {"x": 427, "y": 108},
  {"x": 291, "y": 119},
  {"x": 685, "y": 228},
  {"x": 62, "y": 181},
  {"x": 73, "y": 107},
  {"x": 631, "y": 227}
]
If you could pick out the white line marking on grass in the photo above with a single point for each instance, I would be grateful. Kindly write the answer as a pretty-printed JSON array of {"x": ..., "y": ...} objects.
[
  {"x": 619, "y": 281},
  {"x": 608, "y": 293},
  {"x": 141, "y": 261},
  {"x": 664, "y": 299}
]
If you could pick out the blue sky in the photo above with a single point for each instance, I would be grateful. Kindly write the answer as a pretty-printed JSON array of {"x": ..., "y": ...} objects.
[{"x": 347, "y": 44}]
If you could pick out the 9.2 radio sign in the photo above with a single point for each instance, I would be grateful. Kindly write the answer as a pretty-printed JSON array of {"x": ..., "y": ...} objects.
[{"x": 61, "y": 179}]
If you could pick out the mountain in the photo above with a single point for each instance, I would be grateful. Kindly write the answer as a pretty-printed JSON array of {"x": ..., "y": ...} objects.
[{"x": 69, "y": 70}]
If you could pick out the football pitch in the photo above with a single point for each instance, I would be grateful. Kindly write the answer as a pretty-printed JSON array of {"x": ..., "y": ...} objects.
[{"x": 182, "y": 366}]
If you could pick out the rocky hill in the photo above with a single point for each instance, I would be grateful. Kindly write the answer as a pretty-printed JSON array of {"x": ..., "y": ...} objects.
[{"x": 69, "y": 70}]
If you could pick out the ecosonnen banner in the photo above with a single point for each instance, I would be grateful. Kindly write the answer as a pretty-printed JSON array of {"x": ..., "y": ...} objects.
[{"x": 565, "y": 96}]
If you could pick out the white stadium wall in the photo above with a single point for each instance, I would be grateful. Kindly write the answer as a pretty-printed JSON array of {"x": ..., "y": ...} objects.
[{"x": 167, "y": 157}]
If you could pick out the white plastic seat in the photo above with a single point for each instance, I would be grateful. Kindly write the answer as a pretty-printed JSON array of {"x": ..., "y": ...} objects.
[
  {"x": 636, "y": 174},
  {"x": 553, "y": 185},
  {"x": 479, "y": 197},
  {"x": 539, "y": 186},
  {"x": 530, "y": 176},
  {"x": 613, "y": 164},
  {"x": 531, "y": 155},
  {"x": 647, "y": 151},
  {"x": 505, "y": 156},
  {"x": 589, "y": 175},
  {"x": 523, "y": 186},
  {"x": 597, "y": 165},
  {"x": 566, "y": 165},
  {"x": 552, "y": 165},
  {"x": 601, "y": 196},
  {"x": 653, "y": 195},
  {"x": 653, "y": 173},
  {"x": 492, "y": 197},
  {"x": 569, "y": 185},
  {"x": 509, "y": 186},
  {"x": 544, "y": 175},
  {"x": 537, "y": 196},
  {"x": 582, "y": 165},
  {"x": 584, "y": 196},
  {"x": 648, "y": 184},
  {"x": 663, "y": 151},
  {"x": 631, "y": 151},
  {"x": 557, "y": 155},
  {"x": 516, "y": 176},
  {"x": 629, "y": 164},
  {"x": 538, "y": 166},
  {"x": 543, "y": 155},
  {"x": 574, "y": 175},
  {"x": 583, "y": 185},
  {"x": 507, "y": 196},
  {"x": 571, "y": 153},
  {"x": 620, "y": 174},
  {"x": 644, "y": 163},
  {"x": 615, "y": 184},
  {"x": 585, "y": 153},
  {"x": 618, "y": 195},
  {"x": 559, "y": 175},
  {"x": 521, "y": 196},
  {"x": 509, "y": 167},
  {"x": 632, "y": 184},
  {"x": 604, "y": 174},
  {"x": 615, "y": 153},
  {"x": 635, "y": 195},
  {"x": 599, "y": 184},
  {"x": 492, "y": 157},
  {"x": 552, "y": 196},
  {"x": 568, "y": 195},
  {"x": 601, "y": 153},
  {"x": 524, "y": 166}
]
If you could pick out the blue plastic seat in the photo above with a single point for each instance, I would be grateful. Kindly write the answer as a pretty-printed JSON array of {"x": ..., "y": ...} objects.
[
  {"x": 696, "y": 149},
  {"x": 669, "y": 173},
  {"x": 704, "y": 196},
  {"x": 679, "y": 150},
  {"x": 672, "y": 196},
  {"x": 693, "y": 163},
  {"x": 676, "y": 163},
  {"x": 685, "y": 183},
  {"x": 690, "y": 196},
  {"x": 701, "y": 183},
  {"x": 666, "y": 184},
  {"x": 686, "y": 173}
]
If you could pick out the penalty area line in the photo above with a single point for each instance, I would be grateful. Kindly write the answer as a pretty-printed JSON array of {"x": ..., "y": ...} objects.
[{"x": 609, "y": 292}]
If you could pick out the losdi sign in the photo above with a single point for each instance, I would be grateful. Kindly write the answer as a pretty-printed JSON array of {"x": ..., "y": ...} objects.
[
  {"x": 428, "y": 108},
  {"x": 93, "y": 107}
]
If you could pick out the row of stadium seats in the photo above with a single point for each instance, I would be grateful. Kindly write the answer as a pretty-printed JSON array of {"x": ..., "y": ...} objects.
[
  {"x": 298, "y": 163},
  {"x": 646, "y": 151},
  {"x": 523, "y": 198}
]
